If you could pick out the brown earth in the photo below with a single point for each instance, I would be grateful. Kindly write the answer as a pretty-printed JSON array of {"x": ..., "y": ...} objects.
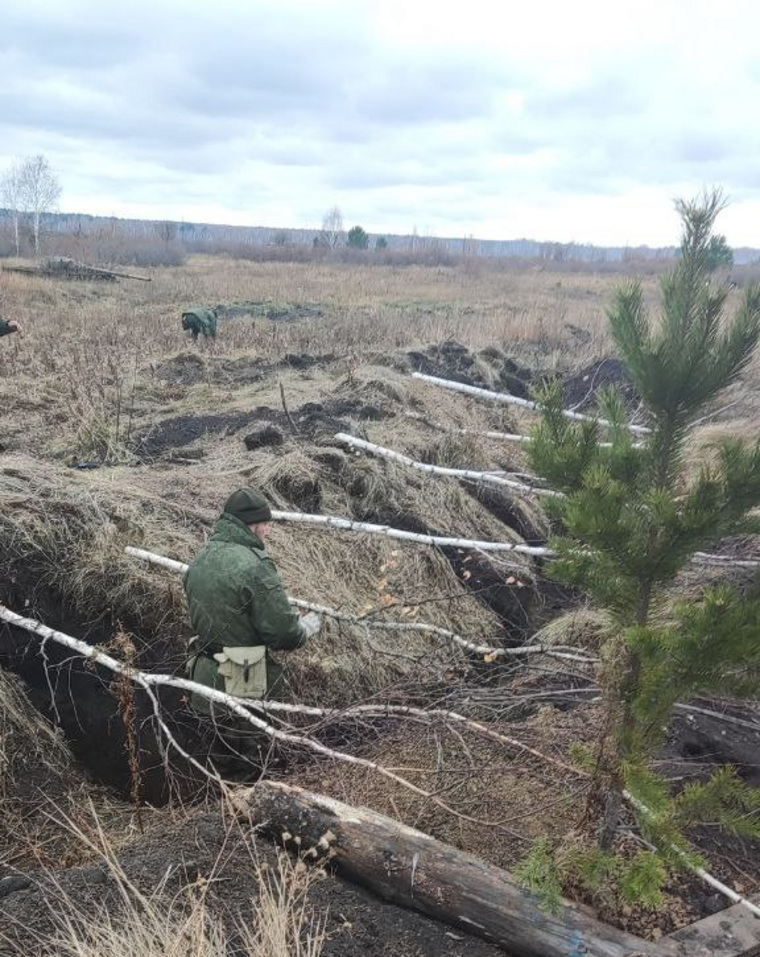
[
  {"x": 166, "y": 433},
  {"x": 205, "y": 848}
]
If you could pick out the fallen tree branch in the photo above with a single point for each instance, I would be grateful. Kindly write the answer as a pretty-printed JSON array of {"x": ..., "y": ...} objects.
[
  {"x": 237, "y": 706},
  {"x": 699, "y": 871},
  {"x": 703, "y": 558},
  {"x": 469, "y": 474},
  {"x": 286, "y": 410},
  {"x": 483, "y": 433},
  {"x": 719, "y": 716},
  {"x": 460, "y": 430},
  {"x": 397, "y": 533},
  {"x": 514, "y": 400},
  {"x": 554, "y": 651}
]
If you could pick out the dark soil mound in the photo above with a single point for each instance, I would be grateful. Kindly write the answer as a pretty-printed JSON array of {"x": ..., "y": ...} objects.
[
  {"x": 184, "y": 429},
  {"x": 582, "y": 387},
  {"x": 490, "y": 368},
  {"x": 206, "y": 847},
  {"x": 314, "y": 421},
  {"x": 268, "y": 437},
  {"x": 184, "y": 369},
  {"x": 190, "y": 369}
]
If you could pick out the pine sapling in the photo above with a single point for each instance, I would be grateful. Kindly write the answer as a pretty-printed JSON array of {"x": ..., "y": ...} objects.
[{"x": 631, "y": 520}]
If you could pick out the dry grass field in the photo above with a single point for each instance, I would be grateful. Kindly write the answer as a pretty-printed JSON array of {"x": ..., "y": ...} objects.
[{"x": 116, "y": 430}]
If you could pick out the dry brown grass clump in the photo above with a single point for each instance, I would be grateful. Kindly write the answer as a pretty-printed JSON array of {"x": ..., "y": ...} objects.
[
  {"x": 130, "y": 922},
  {"x": 62, "y": 538},
  {"x": 29, "y": 745},
  {"x": 281, "y": 923}
]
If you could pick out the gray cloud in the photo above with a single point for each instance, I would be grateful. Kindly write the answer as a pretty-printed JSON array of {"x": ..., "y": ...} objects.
[{"x": 280, "y": 110}]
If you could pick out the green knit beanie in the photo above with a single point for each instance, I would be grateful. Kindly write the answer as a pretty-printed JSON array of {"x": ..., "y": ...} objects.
[{"x": 249, "y": 506}]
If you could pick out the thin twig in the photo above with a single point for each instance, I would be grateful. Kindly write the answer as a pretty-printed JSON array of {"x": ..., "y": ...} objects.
[{"x": 286, "y": 410}]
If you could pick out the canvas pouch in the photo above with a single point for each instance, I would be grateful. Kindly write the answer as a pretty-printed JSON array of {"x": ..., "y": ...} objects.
[{"x": 244, "y": 670}]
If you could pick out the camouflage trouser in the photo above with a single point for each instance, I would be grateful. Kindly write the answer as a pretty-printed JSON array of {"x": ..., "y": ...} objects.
[{"x": 237, "y": 750}]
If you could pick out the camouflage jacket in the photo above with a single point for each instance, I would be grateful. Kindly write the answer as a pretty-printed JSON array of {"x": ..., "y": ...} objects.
[
  {"x": 235, "y": 598},
  {"x": 200, "y": 321}
]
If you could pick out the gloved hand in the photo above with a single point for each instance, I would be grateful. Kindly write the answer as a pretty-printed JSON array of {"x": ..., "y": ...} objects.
[{"x": 311, "y": 624}]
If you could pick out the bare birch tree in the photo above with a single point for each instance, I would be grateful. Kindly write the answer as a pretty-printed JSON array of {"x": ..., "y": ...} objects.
[
  {"x": 332, "y": 227},
  {"x": 11, "y": 195},
  {"x": 39, "y": 191}
]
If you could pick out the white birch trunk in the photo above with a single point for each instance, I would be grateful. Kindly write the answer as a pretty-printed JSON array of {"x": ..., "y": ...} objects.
[
  {"x": 488, "y": 477},
  {"x": 514, "y": 400}
]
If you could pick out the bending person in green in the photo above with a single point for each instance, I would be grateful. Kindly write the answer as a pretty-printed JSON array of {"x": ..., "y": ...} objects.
[
  {"x": 7, "y": 326},
  {"x": 200, "y": 322},
  {"x": 241, "y": 614}
]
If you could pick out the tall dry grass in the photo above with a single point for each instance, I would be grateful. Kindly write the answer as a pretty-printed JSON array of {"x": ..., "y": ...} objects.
[
  {"x": 128, "y": 921},
  {"x": 78, "y": 376}
]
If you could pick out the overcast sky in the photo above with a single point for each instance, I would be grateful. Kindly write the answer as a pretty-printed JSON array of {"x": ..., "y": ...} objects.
[{"x": 574, "y": 120}]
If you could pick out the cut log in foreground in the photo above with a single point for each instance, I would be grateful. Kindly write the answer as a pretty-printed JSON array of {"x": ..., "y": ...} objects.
[{"x": 413, "y": 869}]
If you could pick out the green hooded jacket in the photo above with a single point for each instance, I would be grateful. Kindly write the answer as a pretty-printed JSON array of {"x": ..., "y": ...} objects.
[
  {"x": 5, "y": 327},
  {"x": 200, "y": 321},
  {"x": 236, "y": 598}
]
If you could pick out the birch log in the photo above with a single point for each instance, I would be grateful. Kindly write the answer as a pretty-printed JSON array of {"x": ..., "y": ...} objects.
[
  {"x": 460, "y": 430},
  {"x": 411, "y": 868},
  {"x": 514, "y": 400},
  {"x": 482, "y": 433},
  {"x": 438, "y": 540},
  {"x": 470, "y": 474}
]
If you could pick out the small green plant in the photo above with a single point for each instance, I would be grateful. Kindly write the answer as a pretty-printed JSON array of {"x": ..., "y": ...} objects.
[
  {"x": 630, "y": 520},
  {"x": 539, "y": 873},
  {"x": 548, "y": 869}
]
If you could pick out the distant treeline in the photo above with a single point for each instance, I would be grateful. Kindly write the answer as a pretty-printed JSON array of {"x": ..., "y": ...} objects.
[{"x": 153, "y": 242}]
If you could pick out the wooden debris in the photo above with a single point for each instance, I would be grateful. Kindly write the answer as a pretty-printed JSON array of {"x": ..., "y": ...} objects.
[
  {"x": 734, "y": 932},
  {"x": 413, "y": 869},
  {"x": 60, "y": 267}
]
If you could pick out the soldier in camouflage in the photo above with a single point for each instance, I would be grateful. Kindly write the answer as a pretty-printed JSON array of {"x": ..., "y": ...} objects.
[
  {"x": 200, "y": 322},
  {"x": 241, "y": 614}
]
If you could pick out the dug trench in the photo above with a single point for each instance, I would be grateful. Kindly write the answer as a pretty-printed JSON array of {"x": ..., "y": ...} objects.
[{"x": 86, "y": 701}]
